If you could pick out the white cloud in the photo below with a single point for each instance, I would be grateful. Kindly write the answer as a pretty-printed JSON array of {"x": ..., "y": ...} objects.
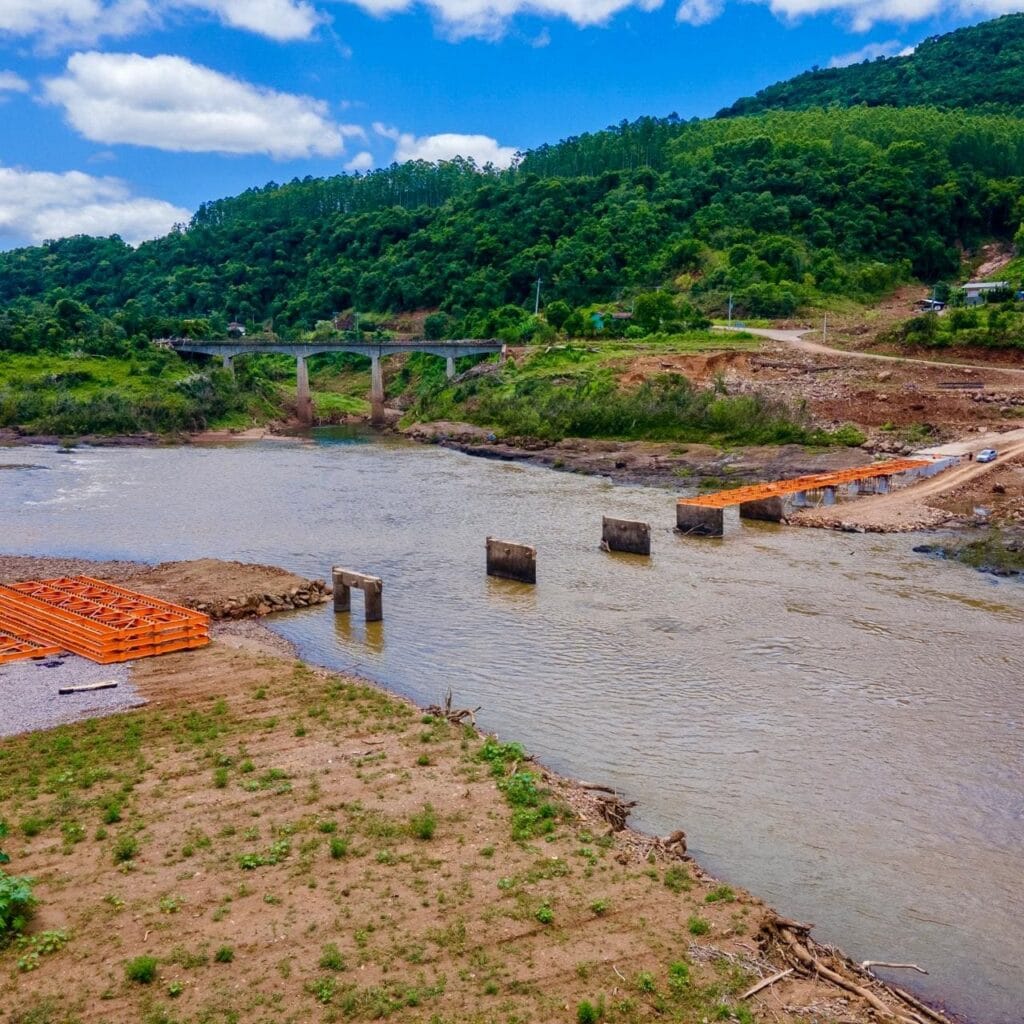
[
  {"x": 489, "y": 18},
  {"x": 172, "y": 104},
  {"x": 699, "y": 12},
  {"x": 869, "y": 52},
  {"x": 480, "y": 148},
  {"x": 56, "y": 23},
  {"x": 37, "y": 205},
  {"x": 360, "y": 162},
  {"x": 10, "y": 82},
  {"x": 865, "y": 14}
]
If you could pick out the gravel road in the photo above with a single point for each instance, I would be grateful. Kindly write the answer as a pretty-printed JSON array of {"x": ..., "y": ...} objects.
[{"x": 29, "y": 698}]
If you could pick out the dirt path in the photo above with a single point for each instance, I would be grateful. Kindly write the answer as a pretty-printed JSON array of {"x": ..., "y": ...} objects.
[
  {"x": 797, "y": 340},
  {"x": 908, "y": 508}
]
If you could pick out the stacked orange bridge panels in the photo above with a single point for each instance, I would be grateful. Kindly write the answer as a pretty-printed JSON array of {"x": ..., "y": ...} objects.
[{"x": 99, "y": 621}]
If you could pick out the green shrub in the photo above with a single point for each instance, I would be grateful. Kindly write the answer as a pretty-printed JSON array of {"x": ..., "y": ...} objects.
[
  {"x": 125, "y": 849},
  {"x": 698, "y": 925},
  {"x": 424, "y": 825},
  {"x": 141, "y": 970},
  {"x": 16, "y": 899},
  {"x": 331, "y": 959},
  {"x": 587, "y": 1013},
  {"x": 224, "y": 955}
]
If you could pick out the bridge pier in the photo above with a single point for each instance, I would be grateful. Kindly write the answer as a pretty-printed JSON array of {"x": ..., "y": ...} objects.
[
  {"x": 228, "y": 362},
  {"x": 304, "y": 400},
  {"x": 766, "y": 510},
  {"x": 700, "y": 521},
  {"x": 829, "y": 496},
  {"x": 450, "y": 370},
  {"x": 376, "y": 390}
]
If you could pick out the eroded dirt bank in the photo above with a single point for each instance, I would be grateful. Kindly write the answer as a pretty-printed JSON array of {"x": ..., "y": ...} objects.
[{"x": 290, "y": 844}]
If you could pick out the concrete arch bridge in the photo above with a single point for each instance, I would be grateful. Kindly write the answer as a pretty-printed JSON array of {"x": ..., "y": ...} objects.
[{"x": 227, "y": 351}]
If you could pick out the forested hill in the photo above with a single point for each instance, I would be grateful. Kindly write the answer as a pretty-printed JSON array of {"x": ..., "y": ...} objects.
[
  {"x": 979, "y": 68},
  {"x": 779, "y": 210}
]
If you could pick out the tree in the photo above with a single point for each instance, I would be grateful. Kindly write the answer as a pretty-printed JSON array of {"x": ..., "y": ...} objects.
[
  {"x": 557, "y": 313},
  {"x": 436, "y": 326},
  {"x": 653, "y": 309}
]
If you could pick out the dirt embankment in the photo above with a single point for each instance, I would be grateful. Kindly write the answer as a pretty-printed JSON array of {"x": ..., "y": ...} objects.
[
  {"x": 266, "y": 840},
  {"x": 223, "y": 590}
]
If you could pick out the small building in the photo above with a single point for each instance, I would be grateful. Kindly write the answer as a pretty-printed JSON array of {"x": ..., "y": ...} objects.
[
  {"x": 622, "y": 316},
  {"x": 977, "y": 293},
  {"x": 236, "y": 330},
  {"x": 930, "y": 306}
]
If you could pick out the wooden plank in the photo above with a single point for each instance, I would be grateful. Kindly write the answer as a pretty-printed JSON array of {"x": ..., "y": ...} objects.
[{"x": 107, "y": 684}]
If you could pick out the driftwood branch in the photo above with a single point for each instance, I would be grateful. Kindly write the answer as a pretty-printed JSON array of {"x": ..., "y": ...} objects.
[
  {"x": 615, "y": 811},
  {"x": 868, "y": 964},
  {"x": 107, "y": 684},
  {"x": 767, "y": 983},
  {"x": 456, "y": 716}
]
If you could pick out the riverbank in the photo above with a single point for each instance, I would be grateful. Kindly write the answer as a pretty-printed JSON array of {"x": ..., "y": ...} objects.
[{"x": 355, "y": 854}]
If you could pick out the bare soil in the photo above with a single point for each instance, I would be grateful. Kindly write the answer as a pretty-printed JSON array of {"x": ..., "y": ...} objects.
[{"x": 234, "y": 783}]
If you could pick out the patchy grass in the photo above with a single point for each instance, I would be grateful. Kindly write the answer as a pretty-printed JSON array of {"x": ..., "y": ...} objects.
[{"x": 475, "y": 888}]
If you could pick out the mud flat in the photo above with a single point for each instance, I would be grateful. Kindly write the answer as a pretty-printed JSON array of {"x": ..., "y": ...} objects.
[{"x": 292, "y": 844}]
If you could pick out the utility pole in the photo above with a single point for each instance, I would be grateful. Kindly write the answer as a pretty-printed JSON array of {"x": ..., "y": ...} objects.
[
  {"x": 824, "y": 330},
  {"x": 730, "y": 310},
  {"x": 536, "y": 304}
]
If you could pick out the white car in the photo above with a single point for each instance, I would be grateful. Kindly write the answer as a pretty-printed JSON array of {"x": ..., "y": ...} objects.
[{"x": 987, "y": 455}]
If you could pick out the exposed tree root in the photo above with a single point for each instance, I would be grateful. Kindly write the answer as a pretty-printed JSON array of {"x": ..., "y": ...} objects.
[{"x": 792, "y": 941}]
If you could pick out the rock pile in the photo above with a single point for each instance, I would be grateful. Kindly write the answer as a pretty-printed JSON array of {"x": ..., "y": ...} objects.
[{"x": 246, "y": 606}]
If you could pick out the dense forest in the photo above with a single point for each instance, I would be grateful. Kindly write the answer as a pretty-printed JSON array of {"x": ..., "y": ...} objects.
[
  {"x": 977, "y": 68},
  {"x": 778, "y": 210}
]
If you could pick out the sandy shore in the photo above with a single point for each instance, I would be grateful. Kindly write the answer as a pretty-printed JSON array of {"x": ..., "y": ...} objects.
[{"x": 287, "y": 840}]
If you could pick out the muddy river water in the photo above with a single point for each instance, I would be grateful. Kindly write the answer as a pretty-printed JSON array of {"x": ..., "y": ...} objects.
[{"x": 837, "y": 722}]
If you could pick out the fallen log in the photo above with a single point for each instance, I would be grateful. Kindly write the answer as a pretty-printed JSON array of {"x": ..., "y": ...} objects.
[{"x": 107, "y": 684}]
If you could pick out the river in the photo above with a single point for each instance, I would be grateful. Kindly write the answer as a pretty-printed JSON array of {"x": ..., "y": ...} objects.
[{"x": 837, "y": 722}]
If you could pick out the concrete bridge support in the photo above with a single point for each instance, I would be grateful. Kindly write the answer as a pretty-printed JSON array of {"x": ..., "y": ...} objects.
[
  {"x": 884, "y": 484},
  {"x": 829, "y": 496},
  {"x": 376, "y": 390},
  {"x": 371, "y": 586},
  {"x": 303, "y": 398},
  {"x": 228, "y": 362},
  {"x": 766, "y": 510},
  {"x": 626, "y": 535},
  {"x": 700, "y": 521},
  {"x": 450, "y": 369},
  {"x": 511, "y": 561}
]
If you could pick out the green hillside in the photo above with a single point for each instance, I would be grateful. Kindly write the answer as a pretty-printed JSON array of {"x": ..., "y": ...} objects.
[
  {"x": 781, "y": 211},
  {"x": 977, "y": 68}
]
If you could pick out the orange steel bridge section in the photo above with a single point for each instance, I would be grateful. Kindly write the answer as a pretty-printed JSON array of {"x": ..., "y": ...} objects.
[
  {"x": 99, "y": 621},
  {"x": 814, "y": 482}
]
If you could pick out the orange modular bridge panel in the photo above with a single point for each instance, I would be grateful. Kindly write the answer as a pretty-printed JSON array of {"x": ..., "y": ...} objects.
[
  {"x": 814, "y": 482},
  {"x": 100, "y": 621},
  {"x": 17, "y": 645}
]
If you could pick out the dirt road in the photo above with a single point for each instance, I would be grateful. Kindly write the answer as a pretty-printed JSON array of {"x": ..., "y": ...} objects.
[
  {"x": 910, "y": 508},
  {"x": 798, "y": 340}
]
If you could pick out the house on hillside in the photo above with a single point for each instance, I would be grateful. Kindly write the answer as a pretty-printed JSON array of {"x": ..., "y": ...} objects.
[
  {"x": 977, "y": 293},
  {"x": 236, "y": 330}
]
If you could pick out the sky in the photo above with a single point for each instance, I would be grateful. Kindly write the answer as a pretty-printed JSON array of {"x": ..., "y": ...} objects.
[{"x": 122, "y": 116}]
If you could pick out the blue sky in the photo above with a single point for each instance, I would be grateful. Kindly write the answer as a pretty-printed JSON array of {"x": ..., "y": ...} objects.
[{"x": 123, "y": 115}]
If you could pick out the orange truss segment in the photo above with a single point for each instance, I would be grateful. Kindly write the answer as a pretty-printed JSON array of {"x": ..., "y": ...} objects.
[
  {"x": 813, "y": 482},
  {"x": 98, "y": 620}
]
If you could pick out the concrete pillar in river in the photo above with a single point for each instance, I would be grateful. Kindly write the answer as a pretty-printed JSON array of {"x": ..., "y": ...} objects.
[
  {"x": 304, "y": 400},
  {"x": 371, "y": 586},
  {"x": 626, "y": 535},
  {"x": 511, "y": 561},
  {"x": 699, "y": 520},
  {"x": 376, "y": 391},
  {"x": 767, "y": 510}
]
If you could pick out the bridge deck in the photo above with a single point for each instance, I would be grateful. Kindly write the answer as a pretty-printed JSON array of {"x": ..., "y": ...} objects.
[{"x": 813, "y": 482}]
